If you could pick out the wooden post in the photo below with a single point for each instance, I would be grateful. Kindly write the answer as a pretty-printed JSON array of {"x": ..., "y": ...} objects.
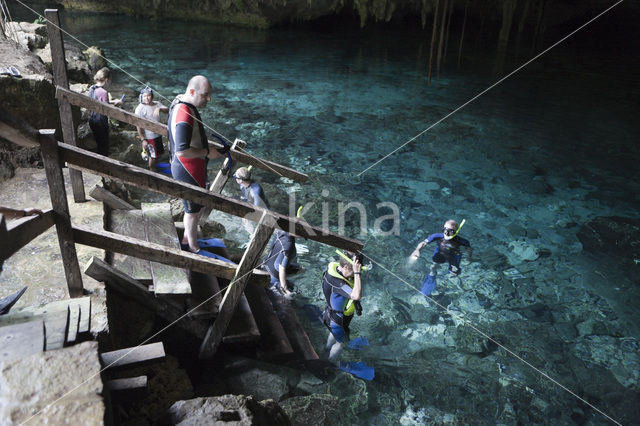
[
  {"x": 60, "y": 79},
  {"x": 49, "y": 150},
  {"x": 235, "y": 289},
  {"x": 221, "y": 180}
]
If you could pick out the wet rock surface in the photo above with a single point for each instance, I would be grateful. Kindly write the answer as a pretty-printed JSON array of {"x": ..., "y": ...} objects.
[{"x": 227, "y": 409}]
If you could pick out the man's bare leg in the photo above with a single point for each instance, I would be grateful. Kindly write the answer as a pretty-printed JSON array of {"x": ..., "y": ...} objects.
[{"x": 191, "y": 230}]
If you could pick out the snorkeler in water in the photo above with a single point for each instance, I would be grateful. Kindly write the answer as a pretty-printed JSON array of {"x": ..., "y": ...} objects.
[{"x": 448, "y": 249}]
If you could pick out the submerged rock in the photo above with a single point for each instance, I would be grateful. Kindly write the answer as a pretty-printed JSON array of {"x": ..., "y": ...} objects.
[
  {"x": 614, "y": 236},
  {"x": 231, "y": 409}
]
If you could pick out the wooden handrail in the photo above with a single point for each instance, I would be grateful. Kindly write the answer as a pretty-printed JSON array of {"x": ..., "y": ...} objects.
[
  {"x": 156, "y": 182},
  {"x": 84, "y": 101},
  {"x": 141, "y": 249}
]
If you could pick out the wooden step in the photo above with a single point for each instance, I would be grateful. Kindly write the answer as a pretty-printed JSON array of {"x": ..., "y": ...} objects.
[
  {"x": 275, "y": 343},
  {"x": 294, "y": 330},
  {"x": 160, "y": 229},
  {"x": 132, "y": 356},
  {"x": 243, "y": 331},
  {"x": 63, "y": 319},
  {"x": 130, "y": 223}
]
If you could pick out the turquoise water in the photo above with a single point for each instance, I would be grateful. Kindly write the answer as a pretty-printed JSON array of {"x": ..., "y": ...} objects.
[{"x": 529, "y": 164}]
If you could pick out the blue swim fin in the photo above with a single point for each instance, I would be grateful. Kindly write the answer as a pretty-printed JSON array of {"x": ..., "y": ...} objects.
[
  {"x": 211, "y": 242},
  {"x": 358, "y": 343},
  {"x": 428, "y": 285},
  {"x": 314, "y": 314},
  {"x": 358, "y": 369}
]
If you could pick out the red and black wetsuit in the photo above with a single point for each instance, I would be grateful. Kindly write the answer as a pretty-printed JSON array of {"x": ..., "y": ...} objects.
[{"x": 187, "y": 131}]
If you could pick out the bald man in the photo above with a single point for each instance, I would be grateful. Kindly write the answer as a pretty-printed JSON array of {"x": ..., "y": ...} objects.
[{"x": 190, "y": 149}]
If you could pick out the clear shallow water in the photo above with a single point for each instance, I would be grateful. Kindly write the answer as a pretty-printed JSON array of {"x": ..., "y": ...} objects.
[{"x": 527, "y": 165}]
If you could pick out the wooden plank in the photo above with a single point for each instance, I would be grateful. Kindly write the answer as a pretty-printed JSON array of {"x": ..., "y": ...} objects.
[
  {"x": 126, "y": 384},
  {"x": 107, "y": 197},
  {"x": 27, "y": 312},
  {"x": 165, "y": 308},
  {"x": 295, "y": 332},
  {"x": 20, "y": 340},
  {"x": 84, "y": 322},
  {"x": 84, "y": 101},
  {"x": 55, "y": 329},
  {"x": 130, "y": 356},
  {"x": 143, "y": 178},
  {"x": 60, "y": 79},
  {"x": 250, "y": 259},
  {"x": 55, "y": 321},
  {"x": 22, "y": 231},
  {"x": 274, "y": 338},
  {"x": 130, "y": 223},
  {"x": 49, "y": 150},
  {"x": 159, "y": 253},
  {"x": 206, "y": 297},
  {"x": 159, "y": 228},
  {"x": 74, "y": 319},
  {"x": 242, "y": 329}
]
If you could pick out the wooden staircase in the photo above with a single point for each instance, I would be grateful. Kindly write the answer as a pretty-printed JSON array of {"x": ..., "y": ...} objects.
[{"x": 256, "y": 327}]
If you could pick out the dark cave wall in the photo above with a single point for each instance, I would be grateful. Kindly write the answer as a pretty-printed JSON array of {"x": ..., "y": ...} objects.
[{"x": 517, "y": 14}]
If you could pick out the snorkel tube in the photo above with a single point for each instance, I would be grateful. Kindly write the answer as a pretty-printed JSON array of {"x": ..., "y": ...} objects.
[
  {"x": 348, "y": 259},
  {"x": 459, "y": 228}
]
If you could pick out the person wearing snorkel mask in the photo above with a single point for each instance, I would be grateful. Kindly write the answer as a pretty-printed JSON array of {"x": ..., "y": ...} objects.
[
  {"x": 152, "y": 147},
  {"x": 447, "y": 250},
  {"x": 342, "y": 288}
]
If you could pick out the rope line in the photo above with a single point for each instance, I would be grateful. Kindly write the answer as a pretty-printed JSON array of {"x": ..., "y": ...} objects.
[
  {"x": 115, "y": 65},
  {"x": 485, "y": 335},
  {"x": 488, "y": 89}
]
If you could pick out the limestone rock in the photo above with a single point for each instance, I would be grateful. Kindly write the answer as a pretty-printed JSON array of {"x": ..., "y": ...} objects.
[
  {"x": 35, "y": 382},
  {"x": 227, "y": 409},
  {"x": 523, "y": 251},
  {"x": 30, "y": 36},
  {"x": 95, "y": 58},
  {"x": 261, "y": 384},
  {"x": 316, "y": 409}
]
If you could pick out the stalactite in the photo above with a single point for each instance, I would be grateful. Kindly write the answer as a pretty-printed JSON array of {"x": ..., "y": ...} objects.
[
  {"x": 442, "y": 24},
  {"x": 523, "y": 20},
  {"x": 433, "y": 39},
  {"x": 508, "y": 10},
  {"x": 446, "y": 32},
  {"x": 464, "y": 25},
  {"x": 536, "y": 33}
]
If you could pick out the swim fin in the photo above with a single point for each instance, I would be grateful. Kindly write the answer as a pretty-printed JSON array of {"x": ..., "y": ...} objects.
[
  {"x": 210, "y": 242},
  {"x": 314, "y": 314},
  {"x": 358, "y": 369},
  {"x": 428, "y": 285},
  {"x": 206, "y": 253},
  {"x": 358, "y": 343}
]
